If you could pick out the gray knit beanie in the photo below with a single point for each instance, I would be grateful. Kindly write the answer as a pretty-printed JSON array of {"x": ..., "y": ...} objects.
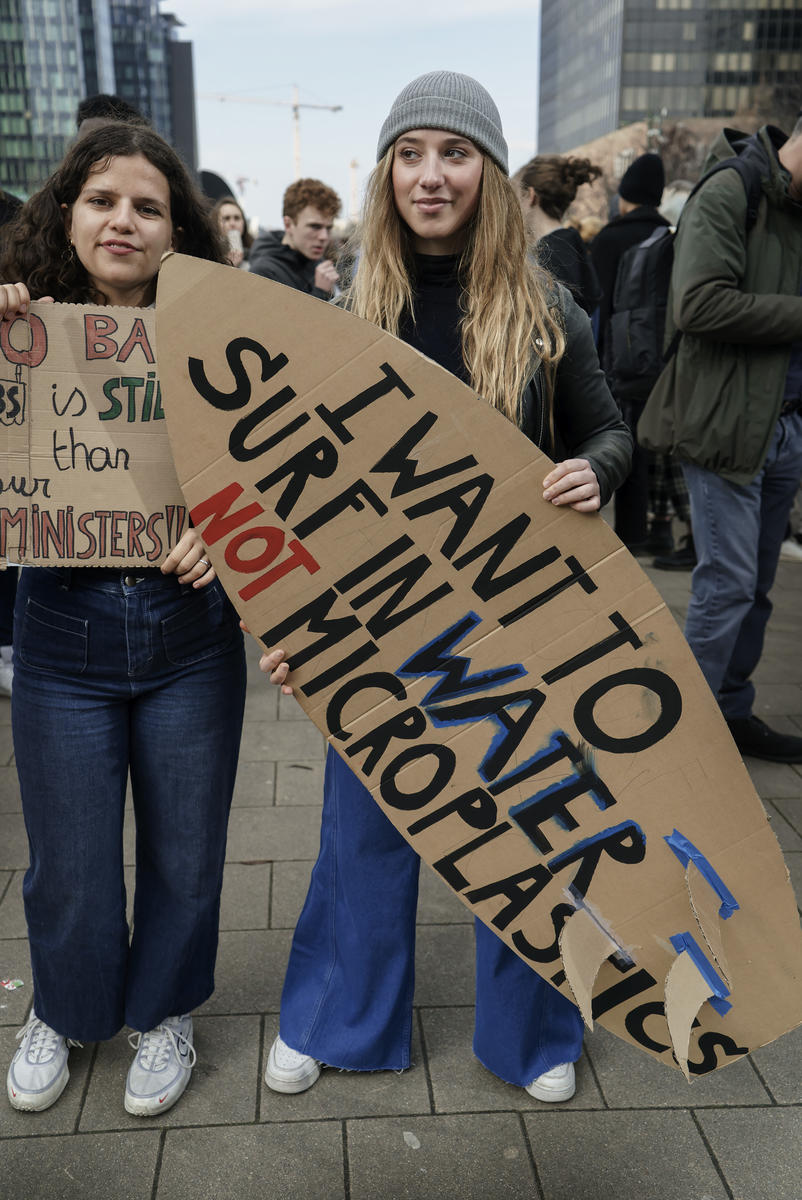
[{"x": 446, "y": 100}]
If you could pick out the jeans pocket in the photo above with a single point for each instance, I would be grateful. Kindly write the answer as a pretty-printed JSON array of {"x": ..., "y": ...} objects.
[
  {"x": 52, "y": 640},
  {"x": 202, "y": 627}
]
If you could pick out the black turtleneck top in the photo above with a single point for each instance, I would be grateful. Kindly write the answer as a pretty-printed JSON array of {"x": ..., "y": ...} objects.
[{"x": 435, "y": 329}]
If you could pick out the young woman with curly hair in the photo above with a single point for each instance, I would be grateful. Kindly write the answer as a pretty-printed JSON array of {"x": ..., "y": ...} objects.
[
  {"x": 443, "y": 264},
  {"x": 137, "y": 670}
]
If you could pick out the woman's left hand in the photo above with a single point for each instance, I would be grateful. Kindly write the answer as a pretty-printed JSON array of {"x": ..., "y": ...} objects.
[
  {"x": 189, "y": 562},
  {"x": 574, "y": 483}
]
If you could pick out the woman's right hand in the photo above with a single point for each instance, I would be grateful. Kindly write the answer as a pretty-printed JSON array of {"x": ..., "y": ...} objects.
[{"x": 274, "y": 664}]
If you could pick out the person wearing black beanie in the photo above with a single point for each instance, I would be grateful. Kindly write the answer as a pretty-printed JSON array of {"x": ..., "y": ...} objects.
[{"x": 642, "y": 183}]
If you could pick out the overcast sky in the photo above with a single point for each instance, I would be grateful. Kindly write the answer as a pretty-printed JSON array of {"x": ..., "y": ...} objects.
[{"x": 355, "y": 53}]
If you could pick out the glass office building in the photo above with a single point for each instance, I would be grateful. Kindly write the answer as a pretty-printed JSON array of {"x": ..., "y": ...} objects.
[
  {"x": 606, "y": 63},
  {"x": 41, "y": 66},
  {"x": 55, "y": 52}
]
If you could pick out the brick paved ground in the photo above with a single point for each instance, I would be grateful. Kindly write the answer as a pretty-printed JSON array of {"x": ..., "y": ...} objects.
[{"x": 445, "y": 1129}]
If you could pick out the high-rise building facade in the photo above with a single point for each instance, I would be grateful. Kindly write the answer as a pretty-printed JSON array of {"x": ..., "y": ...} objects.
[
  {"x": 53, "y": 53},
  {"x": 606, "y": 63},
  {"x": 41, "y": 65}
]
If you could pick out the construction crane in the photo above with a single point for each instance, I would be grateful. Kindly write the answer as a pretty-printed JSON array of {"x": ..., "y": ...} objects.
[{"x": 295, "y": 104}]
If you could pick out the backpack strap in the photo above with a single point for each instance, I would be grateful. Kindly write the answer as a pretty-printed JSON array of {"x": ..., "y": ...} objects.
[{"x": 752, "y": 179}]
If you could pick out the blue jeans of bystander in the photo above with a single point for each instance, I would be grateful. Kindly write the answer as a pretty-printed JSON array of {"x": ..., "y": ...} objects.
[{"x": 737, "y": 532}]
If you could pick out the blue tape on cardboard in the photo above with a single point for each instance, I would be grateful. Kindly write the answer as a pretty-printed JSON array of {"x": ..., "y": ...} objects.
[
  {"x": 686, "y": 851},
  {"x": 687, "y": 943}
]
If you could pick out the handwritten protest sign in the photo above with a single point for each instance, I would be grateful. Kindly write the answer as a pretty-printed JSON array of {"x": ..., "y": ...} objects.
[
  {"x": 498, "y": 671},
  {"x": 86, "y": 472}
]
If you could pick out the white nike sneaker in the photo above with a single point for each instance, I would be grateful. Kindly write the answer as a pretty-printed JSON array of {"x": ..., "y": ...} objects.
[
  {"x": 160, "y": 1072},
  {"x": 288, "y": 1071},
  {"x": 38, "y": 1073},
  {"x": 555, "y": 1085}
]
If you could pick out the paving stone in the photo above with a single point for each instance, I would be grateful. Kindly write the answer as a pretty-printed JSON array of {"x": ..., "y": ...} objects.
[
  {"x": 772, "y": 779},
  {"x": 758, "y": 1152},
  {"x": 300, "y": 783},
  {"x": 777, "y": 668},
  {"x": 12, "y": 912},
  {"x": 791, "y": 809},
  {"x": 245, "y": 901},
  {"x": 248, "y": 839},
  {"x": 444, "y": 965},
  {"x": 290, "y": 884},
  {"x": 222, "y": 1090},
  {"x": 777, "y": 698},
  {"x": 622, "y": 1156},
  {"x": 6, "y": 746},
  {"x": 783, "y": 830},
  {"x": 15, "y": 963},
  {"x": 61, "y": 1117},
  {"x": 631, "y": 1079},
  {"x": 261, "y": 702},
  {"x": 273, "y": 1162},
  {"x": 282, "y": 741},
  {"x": 466, "y": 1157},
  {"x": 129, "y": 838},
  {"x": 5, "y": 710},
  {"x": 89, "y": 1167},
  {"x": 250, "y": 972},
  {"x": 13, "y": 843},
  {"x": 461, "y": 1084},
  {"x": 350, "y": 1093},
  {"x": 437, "y": 904},
  {"x": 256, "y": 784},
  {"x": 780, "y": 1064},
  {"x": 10, "y": 801},
  {"x": 276, "y": 834},
  {"x": 289, "y": 709}
]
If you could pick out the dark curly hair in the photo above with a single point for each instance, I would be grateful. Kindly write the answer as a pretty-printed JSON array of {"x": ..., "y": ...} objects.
[
  {"x": 555, "y": 180},
  {"x": 36, "y": 245}
]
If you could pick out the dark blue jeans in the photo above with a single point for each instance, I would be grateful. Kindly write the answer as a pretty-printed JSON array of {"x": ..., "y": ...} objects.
[
  {"x": 112, "y": 676},
  {"x": 738, "y": 532},
  {"x": 347, "y": 996}
]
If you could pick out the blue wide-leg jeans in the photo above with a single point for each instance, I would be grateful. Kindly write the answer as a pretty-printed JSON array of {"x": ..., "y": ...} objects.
[
  {"x": 737, "y": 532},
  {"x": 347, "y": 996},
  {"x": 115, "y": 672}
]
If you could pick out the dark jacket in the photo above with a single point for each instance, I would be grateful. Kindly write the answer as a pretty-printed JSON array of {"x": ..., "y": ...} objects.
[
  {"x": 607, "y": 248},
  {"x": 587, "y": 422},
  {"x": 269, "y": 256},
  {"x": 735, "y": 297},
  {"x": 565, "y": 255}
]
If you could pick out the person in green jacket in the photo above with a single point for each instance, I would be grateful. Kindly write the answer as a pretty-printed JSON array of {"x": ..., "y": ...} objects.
[{"x": 729, "y": 404}]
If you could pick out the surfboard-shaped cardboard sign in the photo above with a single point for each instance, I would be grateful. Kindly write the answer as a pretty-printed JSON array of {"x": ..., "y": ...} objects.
[{"x": 498, "y": 670}]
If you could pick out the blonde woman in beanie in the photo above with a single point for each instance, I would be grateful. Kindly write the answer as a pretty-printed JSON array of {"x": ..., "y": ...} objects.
[{"x": 443, "y": 265}]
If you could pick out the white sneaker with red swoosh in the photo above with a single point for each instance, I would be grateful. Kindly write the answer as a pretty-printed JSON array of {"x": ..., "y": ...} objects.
[
  {"x": 161, "y": 1068},
  {"x": 38, "y": 1073}
]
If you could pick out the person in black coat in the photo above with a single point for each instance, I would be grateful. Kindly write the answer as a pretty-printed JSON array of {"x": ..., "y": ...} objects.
[
  {"x": 549, "y": 185},
  {"x": 639, "y": 192}
]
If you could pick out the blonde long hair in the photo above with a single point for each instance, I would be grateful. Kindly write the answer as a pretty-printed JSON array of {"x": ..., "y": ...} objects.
[{"x": 508, "y": 325}]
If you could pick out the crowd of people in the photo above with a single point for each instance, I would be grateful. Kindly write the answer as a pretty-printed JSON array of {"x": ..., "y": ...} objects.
[{"x": 140, "y": 672}]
